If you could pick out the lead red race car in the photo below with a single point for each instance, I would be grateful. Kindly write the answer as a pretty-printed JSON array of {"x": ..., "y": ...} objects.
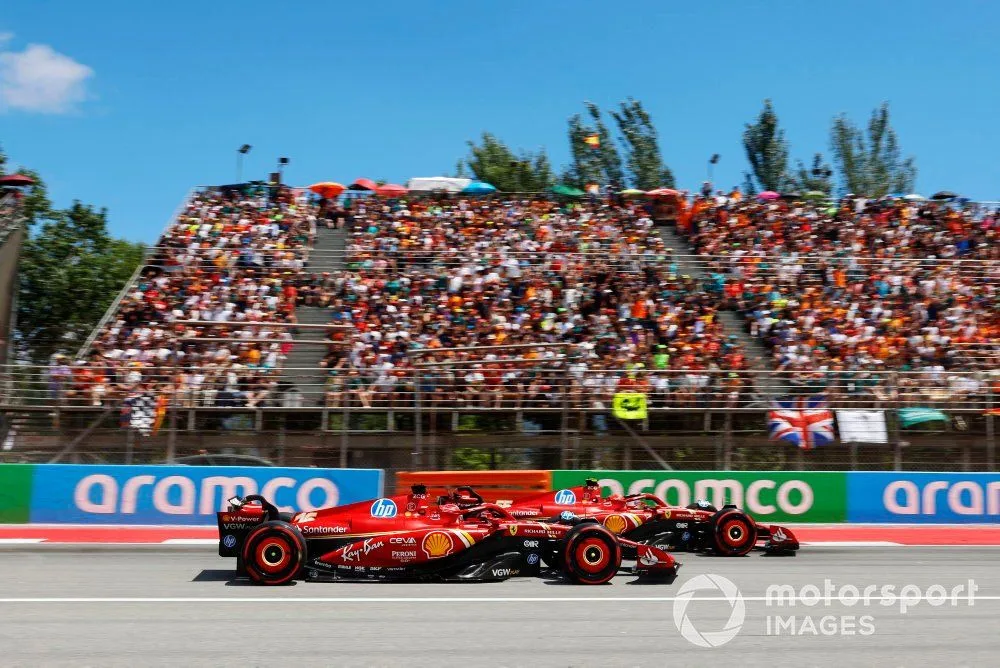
[
  {"x": 408, "y": 537},
  {"x": 645, "y": 518}
]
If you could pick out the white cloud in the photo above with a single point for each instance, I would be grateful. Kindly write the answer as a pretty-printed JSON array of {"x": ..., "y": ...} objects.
[
  {"x": 40, "y": 79},
  {"x": 5, "y": 37}
]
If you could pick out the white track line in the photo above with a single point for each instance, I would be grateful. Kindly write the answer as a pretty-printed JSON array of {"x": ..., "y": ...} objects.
[
  {"x": 190, "y": 541},
  {"x": 852, "y": 543},
  {"x": 461, "y": 599},
  {"x": 21, "y": 541}
]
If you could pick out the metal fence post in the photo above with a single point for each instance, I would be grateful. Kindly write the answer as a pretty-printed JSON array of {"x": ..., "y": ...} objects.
[
  {"x": 897, "y": 438},
  {"x": 129, "y": 444},
  {"x": 345, "y": 424},
  {"x": 991, "y": 445},
  {"x": 172, "y": 436},
  {"x": 418, "y": 421},
  {"x": 564, "y": 421}
]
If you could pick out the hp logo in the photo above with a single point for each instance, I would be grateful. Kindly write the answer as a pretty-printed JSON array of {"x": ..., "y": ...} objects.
[
  {"x": 565, "y": 497},
  {"x": 384, "y": 508},
  {"x": 229, "y": 541},
  {"x": 532, "y": 559}
]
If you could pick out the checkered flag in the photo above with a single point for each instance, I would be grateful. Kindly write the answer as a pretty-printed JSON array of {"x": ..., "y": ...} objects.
[{"x": 142, "y": 413}]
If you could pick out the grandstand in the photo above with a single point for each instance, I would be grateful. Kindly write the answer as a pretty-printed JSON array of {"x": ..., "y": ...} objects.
[{"x": 375, "y": 328}]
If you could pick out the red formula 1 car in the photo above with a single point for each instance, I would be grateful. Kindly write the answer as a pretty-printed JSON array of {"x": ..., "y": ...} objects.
[
  {"x": 408, "y": 537},
  {"x": 645, "y": 518}
]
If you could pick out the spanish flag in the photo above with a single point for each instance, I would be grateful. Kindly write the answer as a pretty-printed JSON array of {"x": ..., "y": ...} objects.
[
  {"x": 159, "y": 413},
  {"x": 593, "y": 141}
]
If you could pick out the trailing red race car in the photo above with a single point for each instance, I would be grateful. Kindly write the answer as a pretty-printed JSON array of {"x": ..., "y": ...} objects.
[
  {"x": 408, "y": 537},
  {"x": 645, "y": 518}
]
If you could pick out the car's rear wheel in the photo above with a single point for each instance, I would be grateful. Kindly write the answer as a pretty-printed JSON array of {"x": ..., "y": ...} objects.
[
  {"x": 733, "y": 533},
  {"x": 590, "y": 554},
  {"x": 274, "y": 553}
]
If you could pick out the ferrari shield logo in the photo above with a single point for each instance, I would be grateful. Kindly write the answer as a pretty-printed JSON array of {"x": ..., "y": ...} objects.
[{"x": 513, "y": 530}]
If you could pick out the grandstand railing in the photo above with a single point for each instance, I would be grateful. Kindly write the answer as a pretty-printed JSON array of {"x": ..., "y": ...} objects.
[
  {"x": 509, "y": 383},
  {"x": 149, "y": 252},
  {"x": 430, "y": 416}
]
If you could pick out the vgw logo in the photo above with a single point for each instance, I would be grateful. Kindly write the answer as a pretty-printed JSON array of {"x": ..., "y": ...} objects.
[
  {"x": 384, "y": 508},
  {"x": 565, "y": 497},
  {"x": 731, "y": 594}
]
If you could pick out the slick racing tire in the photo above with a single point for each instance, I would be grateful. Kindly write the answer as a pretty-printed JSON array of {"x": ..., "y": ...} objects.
[
  {"x": 734, "y": 534},
  {"x": 274, "y": 553},
  {"x": 590, "y": 554}
]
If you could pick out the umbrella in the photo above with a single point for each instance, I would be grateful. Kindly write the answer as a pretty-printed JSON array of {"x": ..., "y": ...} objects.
[
  {"x": 663, "y": 192},
  {"x": 815, "y": 194},
  {"x": 16, "y": 180},
  {"x": 327, "y": 189},
  {"x": 791, "y": 196},
  {"x": 768, "y": 195},
  {"x": 391, "y": 190},
  {"x": 914, "y": 197},
  {"x": 567, "y": 191},
  {"x": 944, "y": 194},
  {"x": 632, "y": 192},
  {"x": 479, "y": 188},
  {"x": 362, "y": 184}
]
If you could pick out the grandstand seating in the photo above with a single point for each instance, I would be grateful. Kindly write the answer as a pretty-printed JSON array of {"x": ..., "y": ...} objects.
[{"x": 835, "y": 294}]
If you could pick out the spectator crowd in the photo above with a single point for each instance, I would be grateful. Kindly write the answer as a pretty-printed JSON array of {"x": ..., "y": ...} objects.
[{"x": 451, "y": 298}]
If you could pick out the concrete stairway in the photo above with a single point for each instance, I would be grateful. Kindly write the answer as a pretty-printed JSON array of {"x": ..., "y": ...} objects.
[
  {"x": 301, "y": 365},
  {"x": 732, "y": 322}
]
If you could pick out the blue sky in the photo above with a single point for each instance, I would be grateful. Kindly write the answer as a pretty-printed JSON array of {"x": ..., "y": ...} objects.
[{"x": 128, "y": 104}]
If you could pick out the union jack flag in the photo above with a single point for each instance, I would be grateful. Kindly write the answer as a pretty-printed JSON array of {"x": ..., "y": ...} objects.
[{"x": 804, "y": 421}]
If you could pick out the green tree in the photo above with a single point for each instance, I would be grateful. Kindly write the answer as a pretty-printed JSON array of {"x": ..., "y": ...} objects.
[
  {"x": 816, "y": 177},
  {"x": 869, "y": 161},
  {"x": 767, "y": 150},
  {"x": 644, "y": 161},
  {"x": 601, "y": 165},
  {"x": 70, "y": 271},
  {"x": 492, "y": 161}
]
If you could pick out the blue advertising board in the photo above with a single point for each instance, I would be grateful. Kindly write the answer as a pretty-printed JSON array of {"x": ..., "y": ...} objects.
[
  {"x": 923, "y": 498},
  {"x": 88, "y": 494}
]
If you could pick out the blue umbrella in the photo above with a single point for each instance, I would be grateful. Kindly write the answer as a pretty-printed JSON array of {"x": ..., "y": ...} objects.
[{"x": 479, "y": 188}]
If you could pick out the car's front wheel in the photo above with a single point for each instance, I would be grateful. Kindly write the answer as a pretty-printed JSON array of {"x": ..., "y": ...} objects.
[
  {"x": 274, "y": 553},
  {"x": 590, "y": 554},
  {"x": 733, "y": 532}
]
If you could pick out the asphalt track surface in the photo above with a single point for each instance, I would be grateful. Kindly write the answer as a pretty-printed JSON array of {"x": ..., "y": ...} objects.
[{"x": 179, "y": 606}]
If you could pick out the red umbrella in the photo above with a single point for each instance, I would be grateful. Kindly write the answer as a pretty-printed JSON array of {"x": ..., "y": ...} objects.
[
  {"x": 663, "y": 192},
  {"x": 16, "y": 180},
  {"x": 362, "y": 184},
  {"x": 391, "y": 190},
  {"x": 327, "y": 189}
]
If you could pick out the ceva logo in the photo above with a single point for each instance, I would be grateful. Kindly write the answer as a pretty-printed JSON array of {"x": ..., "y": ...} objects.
[
  {"x": 180, "y": 495},
  {"x": 384, "y": 508},
  {"x": 761, "y": 497}
]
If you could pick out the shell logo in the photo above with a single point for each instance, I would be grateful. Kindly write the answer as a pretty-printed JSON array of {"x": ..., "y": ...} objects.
[
  {"x": 437, "y": 544},
  {"x": 615, "y": 523}
]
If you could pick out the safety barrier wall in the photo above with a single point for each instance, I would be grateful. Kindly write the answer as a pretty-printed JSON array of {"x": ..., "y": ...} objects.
[
  {"x": 781, "y": 496},
  {"x": 491, "y": 485},
  {"x": 804, "y": 496},
  {"x": 168, "y": 495}
]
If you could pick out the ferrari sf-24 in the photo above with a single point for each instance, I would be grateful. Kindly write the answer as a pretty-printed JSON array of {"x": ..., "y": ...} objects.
[{"x": 409, "y": 537}]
